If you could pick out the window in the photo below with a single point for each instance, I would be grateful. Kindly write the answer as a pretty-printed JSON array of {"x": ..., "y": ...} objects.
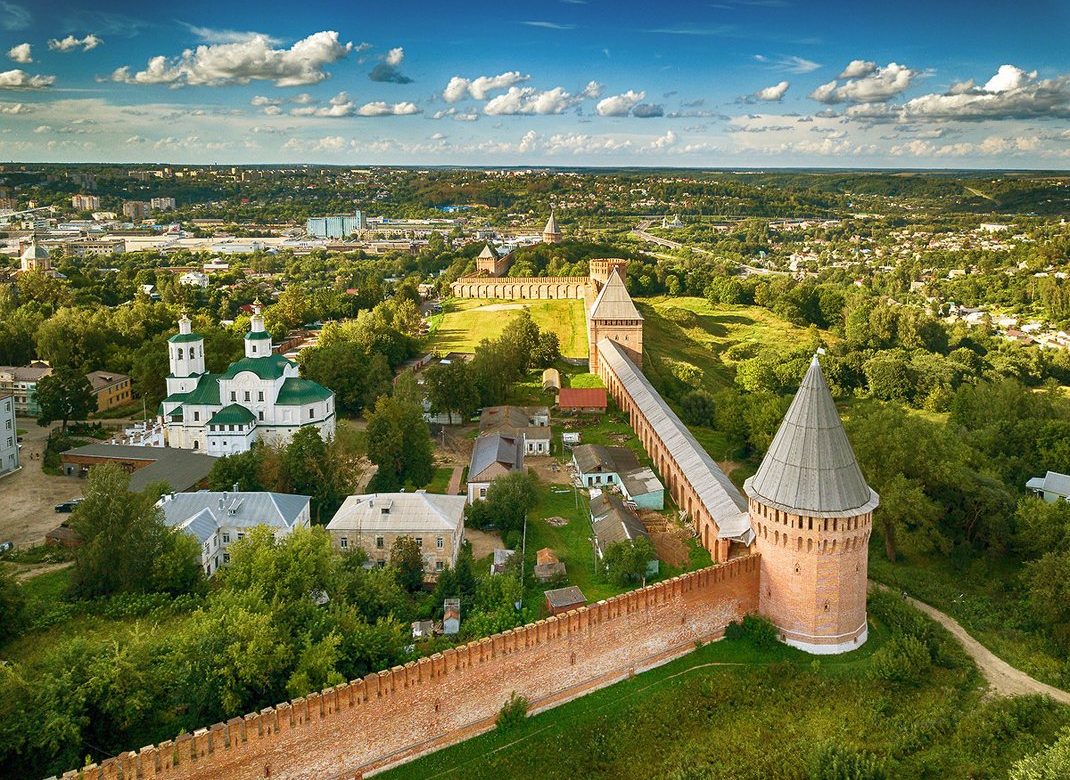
[
  {"x": 180, "y": 353},
  {"x": 226, "y": 538},
  {"x": 381, "y": 564},
  {"x": 419, "y": 541},
  {"x": 438, "y": 565},
  {"x": 254, "y": 348},
  {"x": 226, "y": 557},
  {"x": 192, "y": 353},
  {"x": 311, "y": 413},
  {"x": 440, "y": 543},
  {"x": 246, "y": 395},
  {"x": 378, "y": 542},
  {"x": 10, "y": 442},
  {"x": 343, "y": 542},
  {"x": 240, "y": 536},
  {"x": 482, "y": 492},
  {"x": 261, "y": 415},
  {"x": 260, "y": 396},
  {"x": 233, "y": 395},
  {"x": 196, "y": 416}
]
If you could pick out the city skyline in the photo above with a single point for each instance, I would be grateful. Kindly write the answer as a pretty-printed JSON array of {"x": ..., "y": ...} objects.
[{"x": 567, "y": 82}]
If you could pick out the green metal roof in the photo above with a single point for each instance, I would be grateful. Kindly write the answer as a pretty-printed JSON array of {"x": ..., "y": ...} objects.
[
  {"x": 232, "y": 414},
  {"x": 258, "y": 335},
  {"x": 269, "y": 367},
  {"x": 206, "y": 393},
  {"x": 177, "y": 398},
  {"x": 297, "y": 392},
  {"x": 182, "y": 338},
  {"x": 176, "y": 414}
]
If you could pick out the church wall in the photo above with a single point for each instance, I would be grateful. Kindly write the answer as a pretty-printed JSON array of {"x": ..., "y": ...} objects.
[{"x": 394, "y": 716}]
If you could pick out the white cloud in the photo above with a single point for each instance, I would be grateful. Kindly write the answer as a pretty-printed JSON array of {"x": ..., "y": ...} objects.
[
  {"x": 242, "y": 62},
  {"x": 773, "y": 93},
  {"x": 527, "y": 143},
  {"x": 42, "y": 129},
  {"x": 593, "y": 90},
  {"x": 380, "y": 108},
  {"x": 70, "y": 43},
  {"x": 21, "y": 53},
  {"x": 648, "y": 110},
  {"x": 302, "y": 99},
  {"x": 664, "y": 141},
  {"x": 338, "y": 106},
  {"x": 14, "y": 108},
  {"x": 528, "y": 100},
  {"x": 260, "y": 100},
  {"x": 13, "y": 16},
  {"x": 389, "y": 69},
  {"x": 790, "y": 64},
  {"x": 1010, "y": 93},
  {"x": 856, "y": 69},
  {"x": 136, "y": 139},
  {"x": 481, "y": 87},
  {"x": 216, "y": 35},
  {"x": 550, "y": 25},
  {"x": 272, "y": 110},
  {"x": 619, "y": 105},
  {"x": 581, "y": 143},
  {"x": 878, "y": 85},
  {"x": 20, "y": 79}
]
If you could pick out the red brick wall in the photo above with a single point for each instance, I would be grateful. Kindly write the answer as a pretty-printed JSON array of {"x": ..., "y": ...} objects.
[{"x": 394, "y": 716}]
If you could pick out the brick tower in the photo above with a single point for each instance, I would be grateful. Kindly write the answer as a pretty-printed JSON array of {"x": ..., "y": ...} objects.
[
  {"x": 602, "y": 267},
  {"x": 812, "y": 511},
  {"x": 613, "y": 316},
  {"x": 551, "y": 234}
]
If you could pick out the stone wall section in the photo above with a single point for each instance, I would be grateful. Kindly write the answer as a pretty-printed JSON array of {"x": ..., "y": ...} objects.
[
  {"x": 537, "y": 288},
  {"x": 394, "y": 716}
]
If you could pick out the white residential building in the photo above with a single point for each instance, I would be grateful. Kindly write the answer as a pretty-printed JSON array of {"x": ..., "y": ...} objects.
[
  {"x": 9, "y": 445},
  {"x": 260, "y": 397},
  {"x": 194, "y": 279},
  {"x": 218, "y": 520},
  {"x": 374, "y": 521}
]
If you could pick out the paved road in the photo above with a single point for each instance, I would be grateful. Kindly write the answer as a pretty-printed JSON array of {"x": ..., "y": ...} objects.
[
  {"x": 28, "y": 495},
  {"x": 1001, "y": 676}
]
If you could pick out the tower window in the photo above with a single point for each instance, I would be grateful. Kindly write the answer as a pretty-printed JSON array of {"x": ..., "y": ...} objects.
[{"x": 180, "y": 353}]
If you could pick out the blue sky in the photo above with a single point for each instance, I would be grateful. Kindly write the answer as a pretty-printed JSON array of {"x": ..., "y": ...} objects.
[{"x": 561, "y": 82}]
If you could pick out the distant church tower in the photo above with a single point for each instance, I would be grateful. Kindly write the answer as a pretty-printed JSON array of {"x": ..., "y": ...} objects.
[
  {"x": 185, "y": 355},
  {"x": 812, "y": 512},
  {"x": 551, "y": 234},
  {"x": 257, "y": 340},
  {"x": 613, "y": 316},
  {"x": 35, "y": 258}
]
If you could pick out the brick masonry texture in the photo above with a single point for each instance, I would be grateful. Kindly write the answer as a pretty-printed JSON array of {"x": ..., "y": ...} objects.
[{"x": 397, "y": 715}]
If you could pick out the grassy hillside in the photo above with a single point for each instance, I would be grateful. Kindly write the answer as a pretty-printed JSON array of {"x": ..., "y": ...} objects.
[{"x": 464, "y": 323}]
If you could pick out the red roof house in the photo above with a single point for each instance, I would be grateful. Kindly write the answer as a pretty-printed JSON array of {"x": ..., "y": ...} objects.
[{"x": 582, "y": 399}]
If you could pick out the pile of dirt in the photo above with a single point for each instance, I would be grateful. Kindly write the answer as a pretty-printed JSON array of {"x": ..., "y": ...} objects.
[
  {"x": 671, "y": 547},
  {"x": 556, "y": 521}
]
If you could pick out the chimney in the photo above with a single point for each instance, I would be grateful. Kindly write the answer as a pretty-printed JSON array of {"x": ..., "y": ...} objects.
[{"x": 235, "y": 487}]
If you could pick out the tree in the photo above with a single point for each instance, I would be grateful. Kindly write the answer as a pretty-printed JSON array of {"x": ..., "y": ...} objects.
[
  {"x": 627, "y": 561},
  {"x": 126, "y": 547},
  {"x": 341, "y": 366},
  {"x": 399, "y": 443},
  {"x": 1049, "y": 593},
  {"x": 506, "y": 504},
  {"x": 1051, "y": 763},
  {"x": 242, "y": 469},
  {"x": 407, "y": 560},
  {"x": 451, "y": 389},
  {"x": 697, "y": 407},
  {"x": 64, "y": 395}
]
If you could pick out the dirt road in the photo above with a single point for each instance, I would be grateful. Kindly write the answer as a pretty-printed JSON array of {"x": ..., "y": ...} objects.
[
  {"x": 1001, "y": 676},
  {"x": 28, "y": 495}
]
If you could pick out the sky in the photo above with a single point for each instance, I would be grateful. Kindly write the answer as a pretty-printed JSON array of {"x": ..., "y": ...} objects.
[{"x": 720, "y": 83}]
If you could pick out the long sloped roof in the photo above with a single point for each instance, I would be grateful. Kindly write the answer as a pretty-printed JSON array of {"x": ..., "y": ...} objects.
[
  {"x": 400, "y": 512},
  {"x": 715, "y": 490},
  {"x": 491, "y": 448},
  {"x": 235, "y": 510},
  {"x": 613, "y": 302},
  {"x": 810, "y": 467}
]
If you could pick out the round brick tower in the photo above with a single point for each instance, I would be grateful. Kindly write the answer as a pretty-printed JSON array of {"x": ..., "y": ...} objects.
[{"x": 812, "y": 512}]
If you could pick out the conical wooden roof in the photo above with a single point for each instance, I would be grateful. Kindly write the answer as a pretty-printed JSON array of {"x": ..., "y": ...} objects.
[
  {"x": 551, "y": 225},
  {"x": 810, "y": 468},
  {"x": 613, "y": 302}
]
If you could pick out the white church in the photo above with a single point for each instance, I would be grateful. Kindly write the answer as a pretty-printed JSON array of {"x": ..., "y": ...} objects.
[{"x": 260, "y": 397}]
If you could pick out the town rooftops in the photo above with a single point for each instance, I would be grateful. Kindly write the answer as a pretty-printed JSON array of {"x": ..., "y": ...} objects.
[
  {"x": 180, "y": 469},
  {"x": 399, "y": 512},
  {"x": 810, "y": 467},
  {"x": 203, "y": 513},
  {"x": 613, "y": 302},
  {"x": 582, "y": 398},
  {"x": 100, "y": 380},
  {"x": 561, "y": 599},
  {"x": 267, "y": 367},
  {"x": 614, "y": 522},
  {"x": 715, "y": 490},
  {"x": 516, "y": 420},
  {"x": 296, "y": 391},
  {"x": 593, "y": 458},
  {"x": 26, "y": 373},
  {"x": 495, "y": 454},
  {"x": 1052, "y": 482},
  {"x": 640, "y": 481}
]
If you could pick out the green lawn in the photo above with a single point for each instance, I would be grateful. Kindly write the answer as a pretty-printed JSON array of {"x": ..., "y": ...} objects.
[
  {"x": 440, "y": 482},
  {"x": 465, "y": 322},
  {"x": 728, "y": 710}
]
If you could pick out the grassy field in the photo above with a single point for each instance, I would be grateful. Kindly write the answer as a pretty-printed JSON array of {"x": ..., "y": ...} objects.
[
  {"x": 984, "y": 597},
  {"x": 728, "y": 710},
  {"x": 440, "y": 482},
  {"x": 464, "y": 323}
]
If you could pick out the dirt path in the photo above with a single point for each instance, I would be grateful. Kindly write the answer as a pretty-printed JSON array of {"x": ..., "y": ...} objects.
[
  {"x": 1001, "y": 676},
  {"x": 29, "y": 571},
  {"x": 455, "y": 481}
]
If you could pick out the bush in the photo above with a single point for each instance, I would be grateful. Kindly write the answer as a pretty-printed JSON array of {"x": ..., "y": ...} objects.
[
  {"x": 904, "y": 660},
  {"x": 835, "y": 762},
  {"x": 513, "y": 713},
  {"x": 1052, "y": 763},
  {"x": 757, "y": 630}
]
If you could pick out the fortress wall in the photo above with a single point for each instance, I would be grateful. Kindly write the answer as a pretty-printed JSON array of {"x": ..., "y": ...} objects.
[
  {"x": 396, "y": 715},
  {"x": 522, "y": 288}
]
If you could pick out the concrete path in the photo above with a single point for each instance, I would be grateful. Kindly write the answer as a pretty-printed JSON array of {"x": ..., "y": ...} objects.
[
  {"x": 455, "y": 482},
  {"x": 1003, "y": 678}
]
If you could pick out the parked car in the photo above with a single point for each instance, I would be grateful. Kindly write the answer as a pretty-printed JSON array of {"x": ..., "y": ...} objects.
[
  {"x": 5, "y": 546},
  {"x": 68, "y": 506}
]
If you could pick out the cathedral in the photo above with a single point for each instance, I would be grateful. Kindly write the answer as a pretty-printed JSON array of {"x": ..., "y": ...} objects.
[{"x": 258, "y": 398}]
